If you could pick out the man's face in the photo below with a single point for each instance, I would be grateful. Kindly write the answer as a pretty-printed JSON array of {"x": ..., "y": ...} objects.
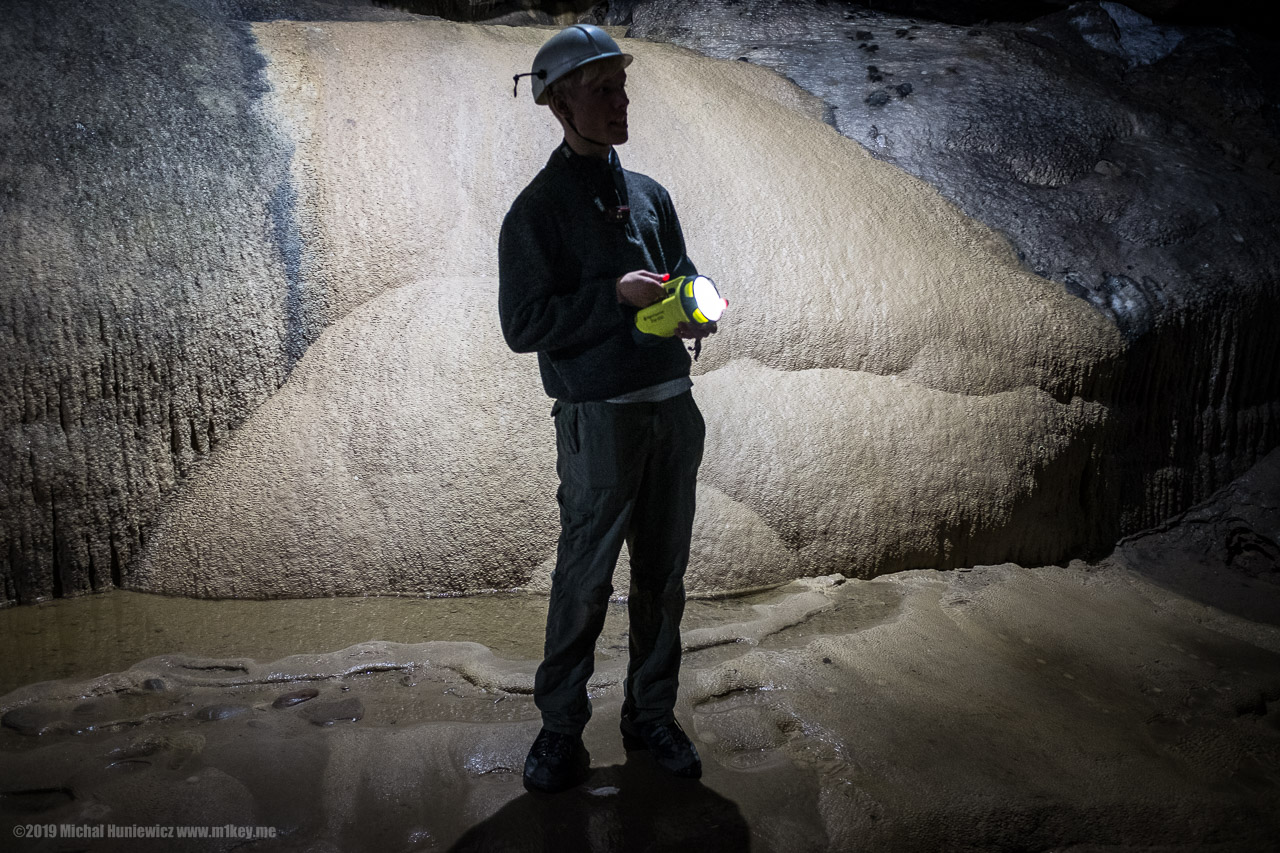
[{"x": 599, "y": 110}]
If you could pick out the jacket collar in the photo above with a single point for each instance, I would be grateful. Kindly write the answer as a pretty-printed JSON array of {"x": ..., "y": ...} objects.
[{"x": 564, "y": 155}]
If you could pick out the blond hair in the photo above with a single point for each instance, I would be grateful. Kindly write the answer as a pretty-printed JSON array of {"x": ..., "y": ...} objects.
[{"x": 586, "y": 75}]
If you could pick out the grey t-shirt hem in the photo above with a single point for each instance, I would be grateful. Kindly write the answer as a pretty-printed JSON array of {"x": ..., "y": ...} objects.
[{"x": 655, "y": 393}]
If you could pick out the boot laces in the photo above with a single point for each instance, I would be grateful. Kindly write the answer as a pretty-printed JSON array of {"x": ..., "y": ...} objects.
[{"x": 553, "y": 743}]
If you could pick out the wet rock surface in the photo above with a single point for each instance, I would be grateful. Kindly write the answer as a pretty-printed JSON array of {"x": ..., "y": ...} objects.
[
  {"x": 907, "y": 734},
  {"x": 30, "y": 720},
  {"x": 326, "y": 713},
  {"x": 295, "y": 697},
  {"x": 215, "y": 713},
  {"x": 1133, "y": 703}
]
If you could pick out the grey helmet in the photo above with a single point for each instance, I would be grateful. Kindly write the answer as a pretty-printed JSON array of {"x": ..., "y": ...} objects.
[{"x": 571, "y": 48}]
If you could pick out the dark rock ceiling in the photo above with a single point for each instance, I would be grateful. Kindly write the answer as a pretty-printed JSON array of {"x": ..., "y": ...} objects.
[{"x": 1236, "y": 13}]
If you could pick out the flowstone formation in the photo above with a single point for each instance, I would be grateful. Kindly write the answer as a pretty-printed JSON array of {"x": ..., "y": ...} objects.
[
  {"x": 893, "y": 389},
  {"x": 150, "y": 295},
  {"x": 146, "y": 302},
  {"x": 864, "y": 411},
  {"x": 1135, "y": 163}
]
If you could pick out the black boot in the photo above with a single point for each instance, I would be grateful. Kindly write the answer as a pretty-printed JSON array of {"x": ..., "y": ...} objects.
[
  {"x": 555, "y": 762},
  {"x": 668, "y": 744}
]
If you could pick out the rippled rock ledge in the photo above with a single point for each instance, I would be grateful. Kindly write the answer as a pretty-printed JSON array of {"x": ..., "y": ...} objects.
[{"x": 1134, "y": 702}]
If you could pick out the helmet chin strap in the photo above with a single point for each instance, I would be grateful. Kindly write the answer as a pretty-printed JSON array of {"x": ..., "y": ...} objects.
[
  {"x": 574, "y": 128},
  {"x": 588, "y": 138}
]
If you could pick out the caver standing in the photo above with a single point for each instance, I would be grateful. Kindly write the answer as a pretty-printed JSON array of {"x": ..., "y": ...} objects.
[{"x": 582, "y": 249}]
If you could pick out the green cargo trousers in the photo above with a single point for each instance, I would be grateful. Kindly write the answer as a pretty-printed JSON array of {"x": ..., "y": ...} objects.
[{"x": 627, "y": 472}]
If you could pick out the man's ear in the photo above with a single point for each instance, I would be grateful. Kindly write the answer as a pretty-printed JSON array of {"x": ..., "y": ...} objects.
[{"x": 559, "y": 105}]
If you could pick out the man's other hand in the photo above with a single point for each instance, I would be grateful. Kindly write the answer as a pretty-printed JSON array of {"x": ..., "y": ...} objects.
[
  {"x": 640, "y": 288},
  {"x": 695, "y": 331}
]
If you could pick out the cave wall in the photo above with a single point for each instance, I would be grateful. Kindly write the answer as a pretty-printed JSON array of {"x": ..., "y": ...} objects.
[
  {"x": 1135, "y": 162},
  {"x": 892, "y": 391},
  {"x": 149, "y": 299},
  {"x": 250, "y": 336}
]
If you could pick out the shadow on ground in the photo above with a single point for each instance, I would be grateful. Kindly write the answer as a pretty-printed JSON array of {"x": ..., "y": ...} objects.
[{"x": 624, "y": 808}]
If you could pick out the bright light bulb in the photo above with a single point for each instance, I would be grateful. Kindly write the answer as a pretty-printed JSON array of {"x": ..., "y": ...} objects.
[{"x": 707, "y": 298}]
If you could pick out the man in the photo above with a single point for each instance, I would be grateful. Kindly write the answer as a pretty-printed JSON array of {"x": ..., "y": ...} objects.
[{"x": 582, "y": 249}]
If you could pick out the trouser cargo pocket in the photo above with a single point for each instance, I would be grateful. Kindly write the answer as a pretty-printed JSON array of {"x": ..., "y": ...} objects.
[{"x": 589, "y": 439}]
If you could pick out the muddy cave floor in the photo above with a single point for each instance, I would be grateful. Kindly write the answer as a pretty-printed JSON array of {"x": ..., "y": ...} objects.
[{"x": 1129, "y": 704}]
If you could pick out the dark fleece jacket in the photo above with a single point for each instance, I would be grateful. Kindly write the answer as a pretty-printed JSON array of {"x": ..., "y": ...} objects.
[{"x": 559, "y": 258}]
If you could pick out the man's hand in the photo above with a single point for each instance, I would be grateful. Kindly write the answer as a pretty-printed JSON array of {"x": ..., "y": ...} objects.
[
  {"x": 695, "y": 331},
  {"x": 640, "y": 288}
]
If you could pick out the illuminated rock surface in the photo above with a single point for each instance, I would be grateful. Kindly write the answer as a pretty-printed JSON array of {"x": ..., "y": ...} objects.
[
  {"x": 1137, "y": 164},
  {"x": 253, "y": 344},
  {"x": 150, "y": 296},
  {"x": 903, "y": 356},
  {"x": 251, "y": 351}
]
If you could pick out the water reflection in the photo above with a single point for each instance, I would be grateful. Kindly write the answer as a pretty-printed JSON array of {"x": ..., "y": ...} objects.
[{"x": 109, "y": 632}]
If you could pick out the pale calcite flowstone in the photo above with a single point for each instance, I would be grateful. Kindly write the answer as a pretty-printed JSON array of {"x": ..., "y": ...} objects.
[{"x": 890, "y": 389}]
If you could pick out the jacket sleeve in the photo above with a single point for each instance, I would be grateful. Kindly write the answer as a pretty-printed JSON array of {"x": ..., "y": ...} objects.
[
  {"x": 673, "y": 241},
  {"x": 536, "y": 312}
]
